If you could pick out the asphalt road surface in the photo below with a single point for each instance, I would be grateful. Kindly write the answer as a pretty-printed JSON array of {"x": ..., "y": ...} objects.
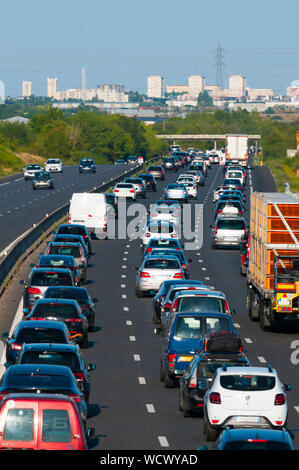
[{"x": 129, "y": 406}]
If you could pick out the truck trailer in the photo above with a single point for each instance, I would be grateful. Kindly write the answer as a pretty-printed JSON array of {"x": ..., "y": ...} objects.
[
  {"x": 237, "y": 149},
  {"x": 273, "y": 268}
]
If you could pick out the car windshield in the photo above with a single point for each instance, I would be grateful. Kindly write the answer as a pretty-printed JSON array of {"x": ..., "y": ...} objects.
[
  {"x": 208, "y": 368},
  {"x": 87, "y": 162},
  {"x": 164, "y": 210},
  {"x": 40, "y": 335},
  {"x": 53, "y": 161},
  {"x": 198, "y": 303},
  {"x": 247, "y": 382},
  {"x": 64, "y": 250},
  {"x": 56, "y": 426},
  {"x": 33, "y": 167},
  {"x": 43, "y": 175},
  {"x": 62, "y": 358},
  {"x": 43, "y": 279},
  {"x": 196, "y": 326},
  {"x": 62, "y": 310},
  {"x": 162, "y": 264},
  {"x": 230, "y": 224}
]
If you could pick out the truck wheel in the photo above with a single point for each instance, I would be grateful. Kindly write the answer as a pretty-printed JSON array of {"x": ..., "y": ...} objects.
[
  {"x": 264, "y": 313},
  {"x": 168, "y": 381}
]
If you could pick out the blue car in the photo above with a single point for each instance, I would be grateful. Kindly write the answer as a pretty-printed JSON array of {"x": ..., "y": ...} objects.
[
  {"x": 184, "y": 336},
  {"x": 252, "y": 439},
  {"x": 34, "y": 331}
]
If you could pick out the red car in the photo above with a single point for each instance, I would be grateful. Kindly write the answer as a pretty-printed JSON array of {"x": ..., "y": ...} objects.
[
  {"x": 244, "y": 256},
  {"x": 41, "y": 422}
]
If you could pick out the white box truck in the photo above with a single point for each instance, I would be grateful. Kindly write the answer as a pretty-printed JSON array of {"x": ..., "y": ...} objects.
[
  {"x": 237, "y": 148},
  {"x": 89, "y": 209}
]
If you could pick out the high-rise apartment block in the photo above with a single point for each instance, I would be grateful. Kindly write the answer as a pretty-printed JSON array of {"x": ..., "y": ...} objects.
[
  {"x": 26, "y": 89},
  {"x": 155, "y": 86},
  {"x": 237, "y": 86},
  {"x": 196, "y": 85},
  {"x": 52, "y": 87}
]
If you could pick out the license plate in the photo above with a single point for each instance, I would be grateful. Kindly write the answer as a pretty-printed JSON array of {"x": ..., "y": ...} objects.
[
  {"x": 78, "y": 221},
  {"x": 247, "y": 419},
  {"x": 230, "y": 239},
  {"x": 185, "y": 358}
]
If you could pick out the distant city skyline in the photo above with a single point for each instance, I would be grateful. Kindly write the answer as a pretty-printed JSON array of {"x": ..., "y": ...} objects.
[{"x": 125, "y": 42}]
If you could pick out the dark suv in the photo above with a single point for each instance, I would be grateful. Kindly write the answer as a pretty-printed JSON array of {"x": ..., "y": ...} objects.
[{"x": 87, "y": 165}]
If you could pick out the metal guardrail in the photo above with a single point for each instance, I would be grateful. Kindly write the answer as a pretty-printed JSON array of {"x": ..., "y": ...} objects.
[{"x": 38, "y": 230}]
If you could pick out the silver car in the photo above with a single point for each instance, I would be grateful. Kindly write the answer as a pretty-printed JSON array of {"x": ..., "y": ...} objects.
[
  {"x": 228, "y": 231},
  {"x": 30, "y": 170},
  {"x": 139, "y": 185},
  {"x": 43, "y": 179},
  {"x": 156, "y": 269},
  {"x": 74, "y": 249},
  {"x": 169, "y": 212},
  {"x": 176, "y": 191}
]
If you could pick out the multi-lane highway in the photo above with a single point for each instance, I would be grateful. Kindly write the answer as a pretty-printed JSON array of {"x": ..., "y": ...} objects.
[
  {"x": 21, "y": 206},
  {"x": 129, "y": 406}
]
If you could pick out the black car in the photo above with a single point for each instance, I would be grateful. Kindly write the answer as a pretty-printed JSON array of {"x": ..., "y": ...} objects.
[
  {"x": 149, "y": 181},
  {"x": 63, "y": 310},
  {"x": 112, "y": 202},
  {"x": 35, "y": 332},
  {"x": 59, "y": 261},
  {"x": 87, "y": 165},
  {"x": 75, "y": 229},
  {"x": 62, "y": 355},
  {"x": 198, "y": 376},
  {"x": 43, "y": 179},
  {"x": 158, "y": 299},
  {"x": 43, "y": 378},
  {"x": 80, "y": 294},
  {"x": 169, "y": 164},
  {"x": 252, "y": 439}
]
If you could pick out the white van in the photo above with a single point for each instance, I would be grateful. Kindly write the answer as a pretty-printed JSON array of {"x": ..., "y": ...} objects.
[{"x": 89, "y": 209}]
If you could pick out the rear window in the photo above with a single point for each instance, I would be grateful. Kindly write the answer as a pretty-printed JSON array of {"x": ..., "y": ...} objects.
[
  {"x": 248, "y": 382},
  {"x": 196, "y": 327},
  {"x": 231, "y": 224},
  {"x": 38, "y": 380},
  {"x": 56, "y": 262},
  {"x": 125, "y": 185},
  {"x": 56, "y": 426},
  {"x": 208, "y": 369},
  {"x": 65, "y": 250},
  {"x": 200, "y": 304},
  {"x": 252, "y": 444},
  {"x": 235, "y": 174},
  {"x": 66, "y": 358},
  {"x": 51, "y": 279},
  {"x": 62, "y": 310},
  {"x": 40, "y": 335},
  {"x": 162, "y": 264},
  {"x": 77, "y": 293},
  {"x": 19, "y": 425},
  {"x": 158, "y": 243},
  {"x": 228, "y": 203},
  {"x": 71, "y": 230},
  {"x": 155, "y": 168}
]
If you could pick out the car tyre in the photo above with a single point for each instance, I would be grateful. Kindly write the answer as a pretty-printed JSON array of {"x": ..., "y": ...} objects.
[
  {"x": 169, "y": 382},
  {"x": 210, "y": 433}
]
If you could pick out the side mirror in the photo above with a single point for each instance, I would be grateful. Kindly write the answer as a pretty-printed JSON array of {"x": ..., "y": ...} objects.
[
  {"x": 26, "y": 311},
  {"x": 211, "y": 226},
  {"x": 22, "y": 282},
  {"x": 95, "y": 300},
  {"x": 5, "y": 335},
  {"x": 158, "y": 331},
  {"x": 90, "y": 433},
  {"x": 136, "y": 269},
  {"x": 233, "y": 311},
  {"x": 91, "y": 367},
  {"x": 287, "y": 387},
  {"x": 190, "y": 260},
  {"x": 31, "y": 265}
]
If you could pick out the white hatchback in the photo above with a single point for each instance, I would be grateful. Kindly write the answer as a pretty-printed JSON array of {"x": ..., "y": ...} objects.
[
  {"x": 241, "y": 398},
  {"x": 157, "y": 229},
  {"x": 125, "y": 190},
  {"x": 191, "y": 188}
]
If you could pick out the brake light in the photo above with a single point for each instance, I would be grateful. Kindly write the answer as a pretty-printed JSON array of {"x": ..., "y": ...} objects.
[
  {"x": 75, "y": 397},
  {"x": 286, "y": 287},
  {"x": 79, "y": 376},
  {"x": 216, "y": 230},
  {"x": 279, "y": 399},
  {"x": 116, "y": 190},
  {"x": 178, "y": 276},
  {"x": 167, "y": 305},
  {"x": 149, "y": 250},
  {"x": 173, "y": 235},
  {"x": 74, "y": 320},
  {"x": 70, "y": 219},
  {"x": 131, "y": 191},
  {"x": 16, "y": 347},
  {"x": 33, "y": 290},
  {"x": 174, "y": 306},
  {"x": 215, "y": 398},
  {"x": 171, "y": 360},
  {"x": 144, "y": 274},
  {"x": 226, "y": 309},
  {"x": 257, "y": 440}
]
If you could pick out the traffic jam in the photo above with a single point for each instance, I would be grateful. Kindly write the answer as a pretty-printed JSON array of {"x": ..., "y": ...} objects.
[{"x": 238, "y": 406}]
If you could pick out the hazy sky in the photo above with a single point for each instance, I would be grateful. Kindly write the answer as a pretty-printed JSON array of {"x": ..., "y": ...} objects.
[{"x": 125, "y": 41}]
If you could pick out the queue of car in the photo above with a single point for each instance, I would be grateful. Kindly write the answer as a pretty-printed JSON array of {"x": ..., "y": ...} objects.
[{"x": 201, "y": 351}]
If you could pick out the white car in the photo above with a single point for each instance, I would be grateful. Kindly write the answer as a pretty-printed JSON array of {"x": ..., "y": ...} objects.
[
  {"x": 54, "y": 165},
  {"x": 191, "y": 188},
  {"x": 31, "y": 169},
  {"x": 176, "y": 191},
  {"x": 125, "y": 190},
  {"x": 250, "y": 397},
  {"x": 156, "y": 269},
  {"x": 167, "y": 212},
  {"x": 236, "y": 174},
  {"x": 157, "y": 229}
]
